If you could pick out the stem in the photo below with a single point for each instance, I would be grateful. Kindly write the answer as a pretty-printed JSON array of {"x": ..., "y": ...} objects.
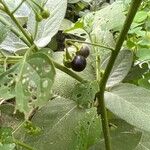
[
  {"x": 94, "y": 44},
  {"x": 101, "y": 103},
  {"x": 15, "y": 59},
  {"x": 36, "y": 29},
  {"x": 98, "y": 67},
  {"x": 27, "y": 36},
  {"x": 132, "y": 11},
  {"x": 36, "y": 4},
  {"x": 70, "y": 42},
  {"x": 18, "y": 6},
  {"x": 97, "y": 59},
  {"x": 5, "y": 22},
  {"x": 17, "y": 23},
  {"x": 23, "y": 145}
]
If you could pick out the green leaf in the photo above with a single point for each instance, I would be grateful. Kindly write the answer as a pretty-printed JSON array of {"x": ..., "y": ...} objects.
[
  {"x": 143, "y": 54},
  {"x": 6, "y": 135},
  {"x": 23, "y": 10},
  {"x": 7, "y": 146},
  {"x": 136, "y": 72},
  {"x": 6, "y": 139},
  {"x": 144, "y": 143},
  {"x": 121, "y": 67},
  {"x": 8, "y": 118},
  {"x": 130, "y": 103},
  {"x": 66, "y": 24},
  {"x": 84, "y": 93},
  {"x": 73, "y": 1},
  {"x": 110, "y": 17},
  {"x": 7, "y": 83},
  {"x": 123, "y": 137},
  {"x": 145, "y": 81},
  {"x": 49, "y": 27},
  {"x": 3, "y": 33},
  {"x": 62, "y": 123},
  {"x": 13, "y": 44},
  {"x": 34, "y": 82},
  {"x": 140, "y": 16}
]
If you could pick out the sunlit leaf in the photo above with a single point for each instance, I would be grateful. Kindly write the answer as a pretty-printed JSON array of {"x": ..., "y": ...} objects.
[{"x": 131, "y": 103}]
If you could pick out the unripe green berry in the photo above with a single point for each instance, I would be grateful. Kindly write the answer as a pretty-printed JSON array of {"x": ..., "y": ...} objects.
[
  {"x": 38, "y": 17},
  {"x": 45, "y": 13}
]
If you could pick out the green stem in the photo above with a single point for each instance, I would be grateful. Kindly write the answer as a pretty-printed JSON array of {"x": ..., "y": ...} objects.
[
  {"x": 101, "y": 106},
  {"x": 97, "y": 60},
  {"x": 70, "y": 42},
  {"x": 94, "y": 44},
  {"x": 98, "y": 77},
  {"x": 36, "y": 29},
  {"x": 5, "y": 22},
  {"x": 36, "y": 4},
  {"x": 15, "y": 59},
  {"x": 18, "y": 6},
  {"x": 27, "y": 36},
  {"x": 23, "y": 145}
]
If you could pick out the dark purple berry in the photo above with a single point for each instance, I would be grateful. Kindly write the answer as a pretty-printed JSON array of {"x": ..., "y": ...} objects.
[
  {"x": 79, "y": 63},
  {"x": 84, "y": 51}
]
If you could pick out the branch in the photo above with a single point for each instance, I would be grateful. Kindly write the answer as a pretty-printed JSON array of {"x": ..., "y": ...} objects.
[{"x": 101, "y": 109}]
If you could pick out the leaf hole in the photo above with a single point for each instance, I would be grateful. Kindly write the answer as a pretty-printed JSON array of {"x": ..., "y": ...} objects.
[
  {"x": 5, "y": 84},
  {"x": 79, "y": 95},
  {"x": 10, "y": 75},
  {"x": 30, "y": 101},
  {"x": 83, "y": 34},
  {"x": 34, "y": 97}
]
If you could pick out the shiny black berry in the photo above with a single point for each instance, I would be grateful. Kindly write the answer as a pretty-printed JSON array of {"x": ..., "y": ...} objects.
[
  {"x": 84, "y": 51},
  {"x": 79, "y": 63}
]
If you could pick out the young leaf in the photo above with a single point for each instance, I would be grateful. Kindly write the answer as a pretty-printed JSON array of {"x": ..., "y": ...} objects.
[{"x": 131, "y": 103}]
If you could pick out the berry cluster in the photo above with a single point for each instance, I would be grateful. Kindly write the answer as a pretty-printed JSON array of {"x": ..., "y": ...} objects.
[{"x": 79, "y": 61}]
